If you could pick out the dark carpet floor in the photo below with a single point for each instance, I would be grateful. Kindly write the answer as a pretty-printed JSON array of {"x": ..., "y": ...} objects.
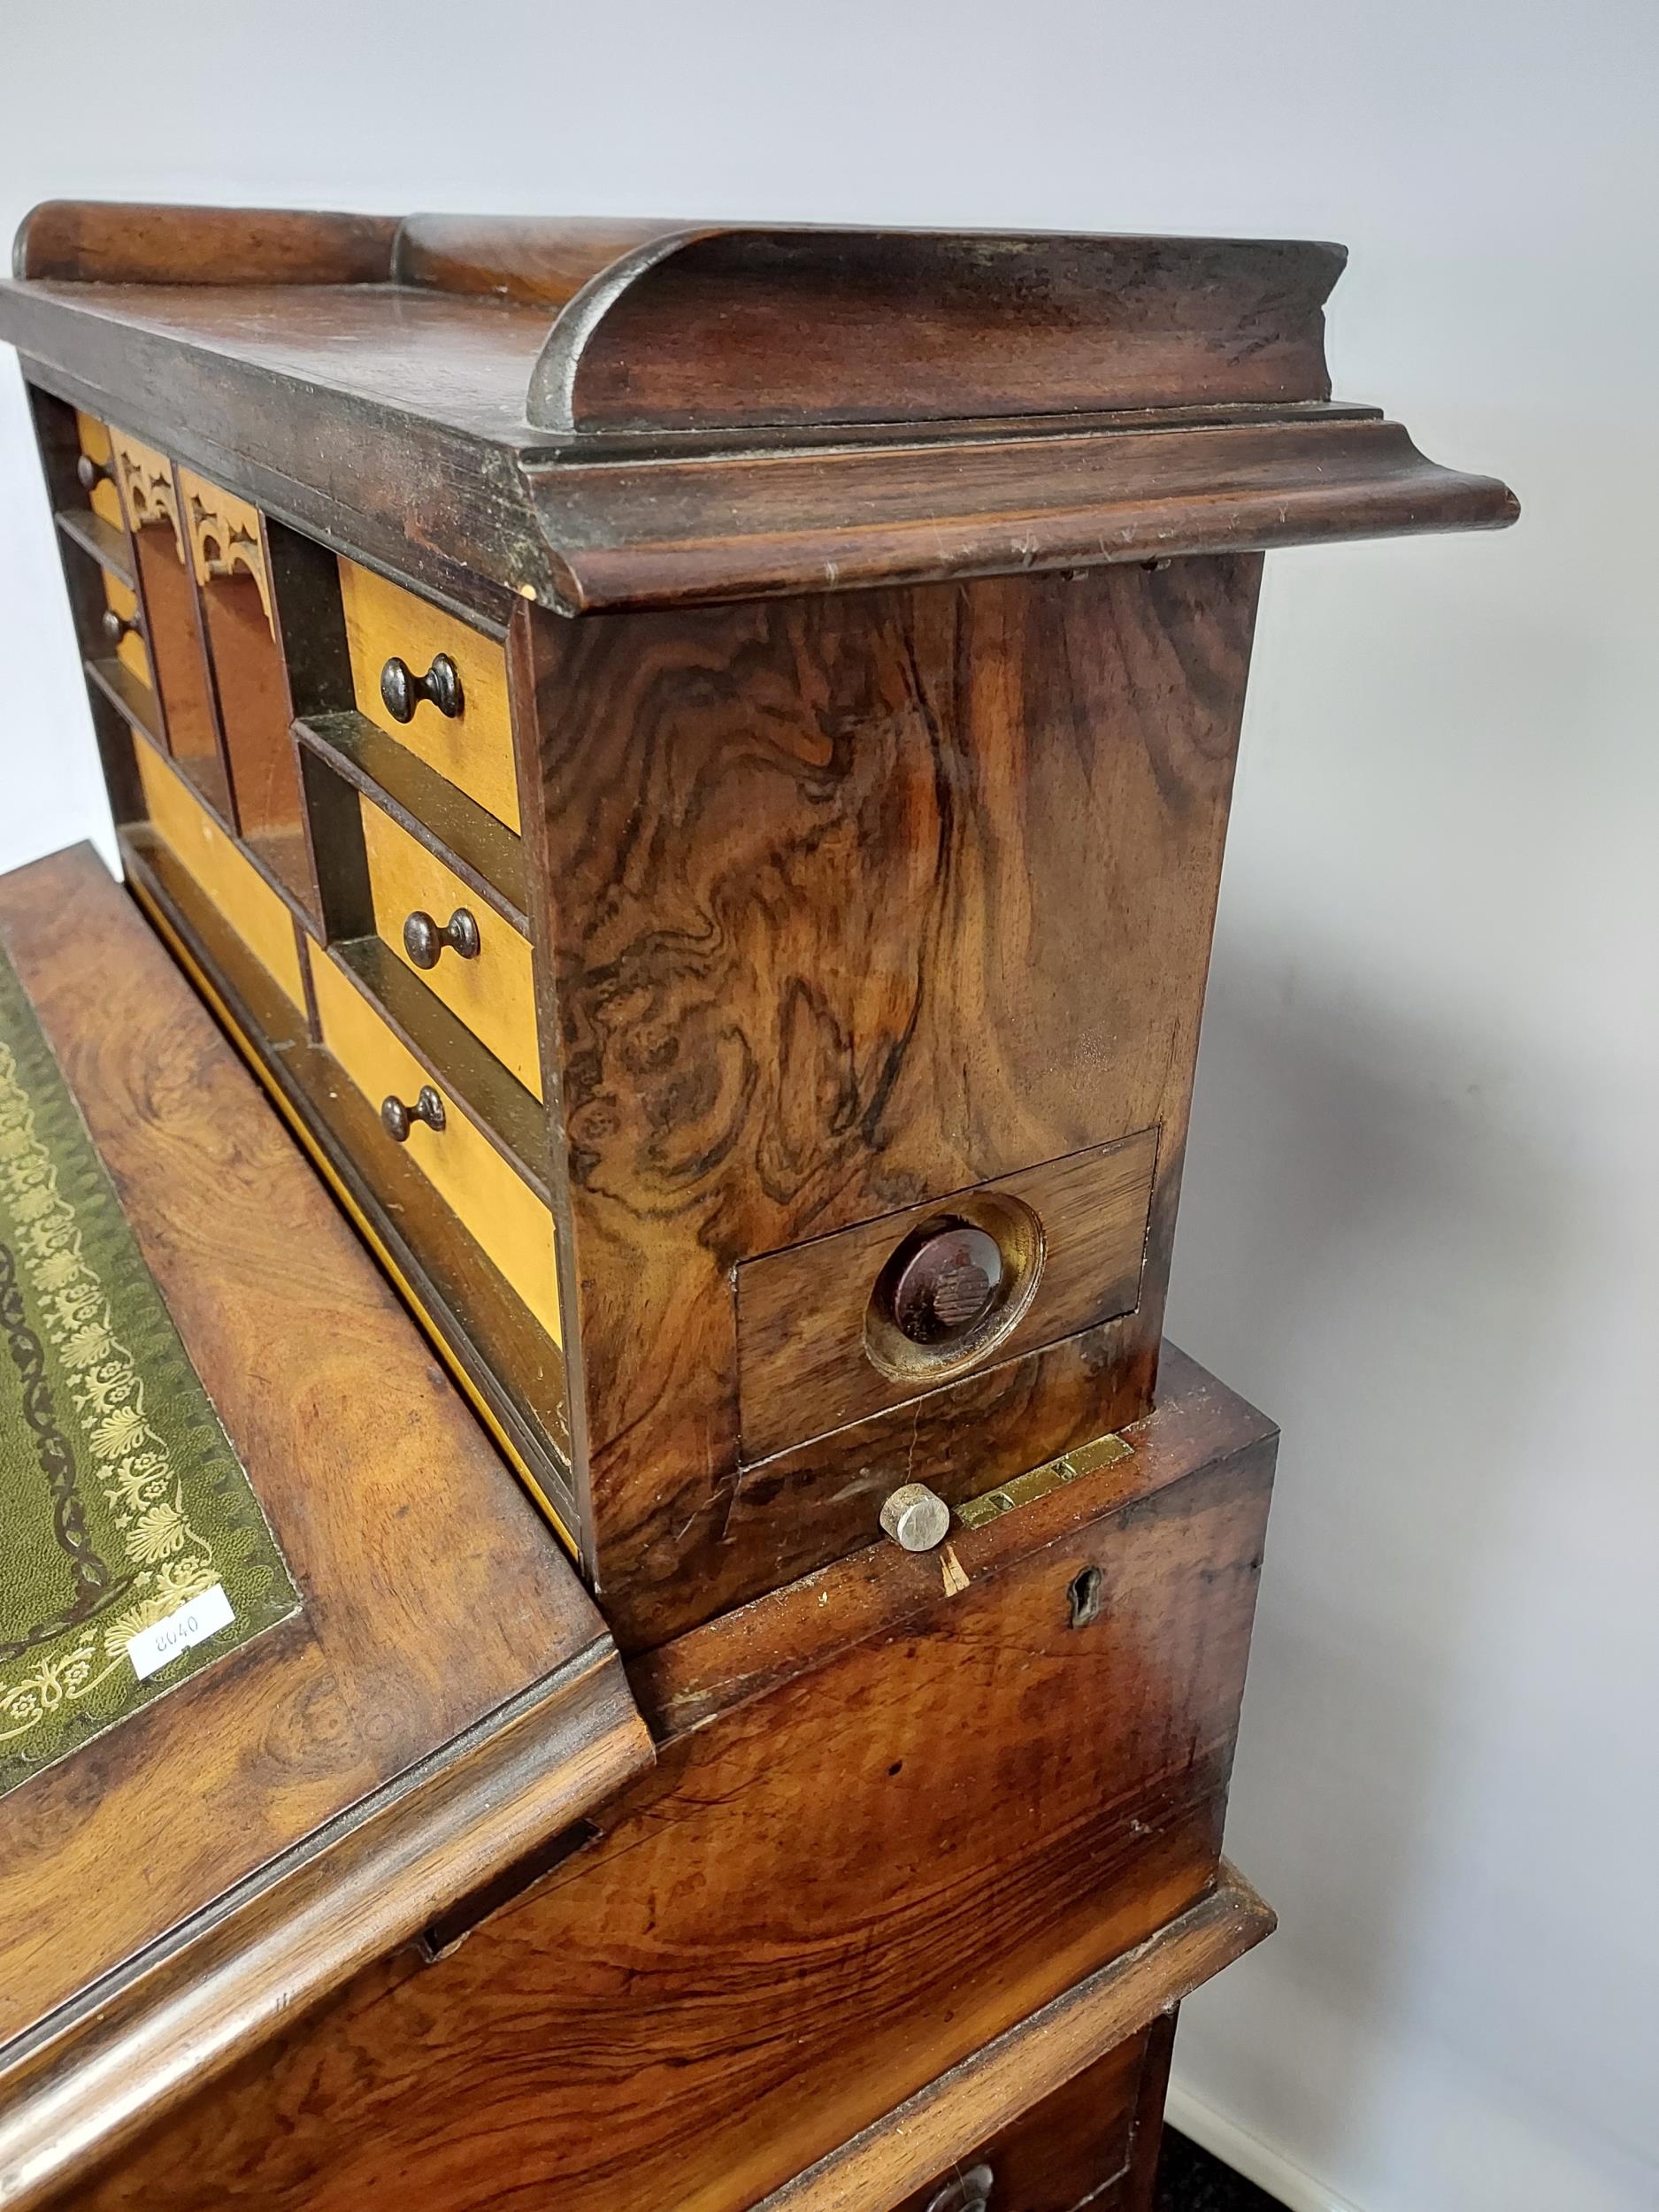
[{"x": 1189, "y": 2180}]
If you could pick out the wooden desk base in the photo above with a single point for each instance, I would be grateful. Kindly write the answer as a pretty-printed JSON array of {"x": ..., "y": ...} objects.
[{"x": 921, "y": 1848}]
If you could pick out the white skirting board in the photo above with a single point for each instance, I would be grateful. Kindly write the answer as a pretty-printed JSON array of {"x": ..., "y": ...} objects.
[{"x": 1249, "y": 2155}]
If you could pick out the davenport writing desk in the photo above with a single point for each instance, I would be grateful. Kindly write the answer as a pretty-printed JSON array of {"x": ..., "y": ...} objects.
[{"x": 692, "y": 763}]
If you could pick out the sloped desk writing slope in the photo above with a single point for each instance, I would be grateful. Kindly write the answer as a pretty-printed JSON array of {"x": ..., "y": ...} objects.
[
  {"x": 447, "y": 1697},
  {"x": 694, "y": 761}
]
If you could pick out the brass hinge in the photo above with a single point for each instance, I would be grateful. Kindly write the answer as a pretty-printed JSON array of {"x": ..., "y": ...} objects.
[{"x": 1037, "y": 1482}]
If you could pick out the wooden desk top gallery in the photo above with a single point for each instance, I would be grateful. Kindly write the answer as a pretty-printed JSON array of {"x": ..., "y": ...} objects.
[
  {"x": 607, "y": 414},
  {"x": 448, "y": 1695}
]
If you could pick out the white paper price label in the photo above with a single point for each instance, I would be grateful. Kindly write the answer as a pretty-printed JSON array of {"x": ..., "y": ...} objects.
[{"x": 189, "y": 1625}]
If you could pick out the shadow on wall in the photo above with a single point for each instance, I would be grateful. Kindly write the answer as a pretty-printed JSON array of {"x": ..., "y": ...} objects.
[{"x": 1373, "y": 1251}]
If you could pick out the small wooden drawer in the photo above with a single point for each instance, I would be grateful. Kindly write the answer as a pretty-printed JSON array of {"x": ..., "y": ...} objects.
[
  {"x": 102, "y": 497},
  {"x": 488, "y": 1197},
  {"x": 125, "y": 623},
  {"x": 818, "y": 1347},
  {"x": 223, "y": 871},
  {"x": 491, "y": 988},
  {"x": 472, "y": 745},
  {"x": 1077, "y": 2148}
]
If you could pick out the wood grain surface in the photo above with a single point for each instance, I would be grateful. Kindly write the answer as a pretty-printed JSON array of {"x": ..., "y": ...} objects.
[
  {"x": 490, "y": 1199},
  {"x": 802, "y": 1366},
  {"x": 252, "y": 703},
  {"x": 502, "y": 1109},
  {"x": 121, "y": 599},
  {"x": 106, "y": 542},
  {"x": 1141, "y": 2183},
  {"x": 818, "y": 1904},
  {"x": 860, "y": 900},
  {"x": 135, "y": 702},
  {"x": 489, "y": 858},
  {"x": 172, "y": 633},
  {"x": 103, "y": 498},
  {"x": 756, "y": 1648},
  {"x": 93, "y": 242},
  {"x": 525, "y": 257},
  {"x": 1008, "y": 2078},
  {"x": 706, "y": 528},
  {"x": 746, "y": 326},
  {"x": 226, "y": 538},
  {"x": 92, "y": 518},
  {"x": 333, "y": 1911},
  {"x": 389, "y": 420},
  {"x": 433, "y": 1593}
]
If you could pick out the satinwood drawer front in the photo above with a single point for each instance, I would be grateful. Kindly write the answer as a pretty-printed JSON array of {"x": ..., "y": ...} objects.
[
  {"x": 488, "y": 1197},
  {"x": 97, "y": 448},
  {"x": 224, "y": 872},
  {"x": 462, "y": 950},
  {"x": 126, "y": 625},
  {"x": 448, "y": 683},
  {"x": 101, "y": 495}
]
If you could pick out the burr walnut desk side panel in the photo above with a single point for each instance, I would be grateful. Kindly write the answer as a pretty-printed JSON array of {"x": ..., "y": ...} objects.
[
  {"x": 433, "y": 1594},
  {"x": 857, "y": 903}
]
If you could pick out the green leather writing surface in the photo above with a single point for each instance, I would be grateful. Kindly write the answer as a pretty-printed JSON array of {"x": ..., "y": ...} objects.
[{"x": 133, "y": 1550}]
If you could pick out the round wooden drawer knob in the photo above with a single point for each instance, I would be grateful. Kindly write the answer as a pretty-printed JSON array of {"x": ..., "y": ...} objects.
[
  {"x": 425, "y": 943},
  {"x": 401, "y": 691},
  {"x": 397, "y": 1120},
  {"x": 947, "y": 1284}
]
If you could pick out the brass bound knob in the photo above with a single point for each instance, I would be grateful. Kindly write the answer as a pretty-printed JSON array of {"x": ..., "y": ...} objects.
[
  {"x": 397, "y": 1120},
  {"x": 403, "y": 690},
  {"x": 116, "y": 626},
  {"x": 424, "y": 942},
  {"x": 91, "y": 474}
]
